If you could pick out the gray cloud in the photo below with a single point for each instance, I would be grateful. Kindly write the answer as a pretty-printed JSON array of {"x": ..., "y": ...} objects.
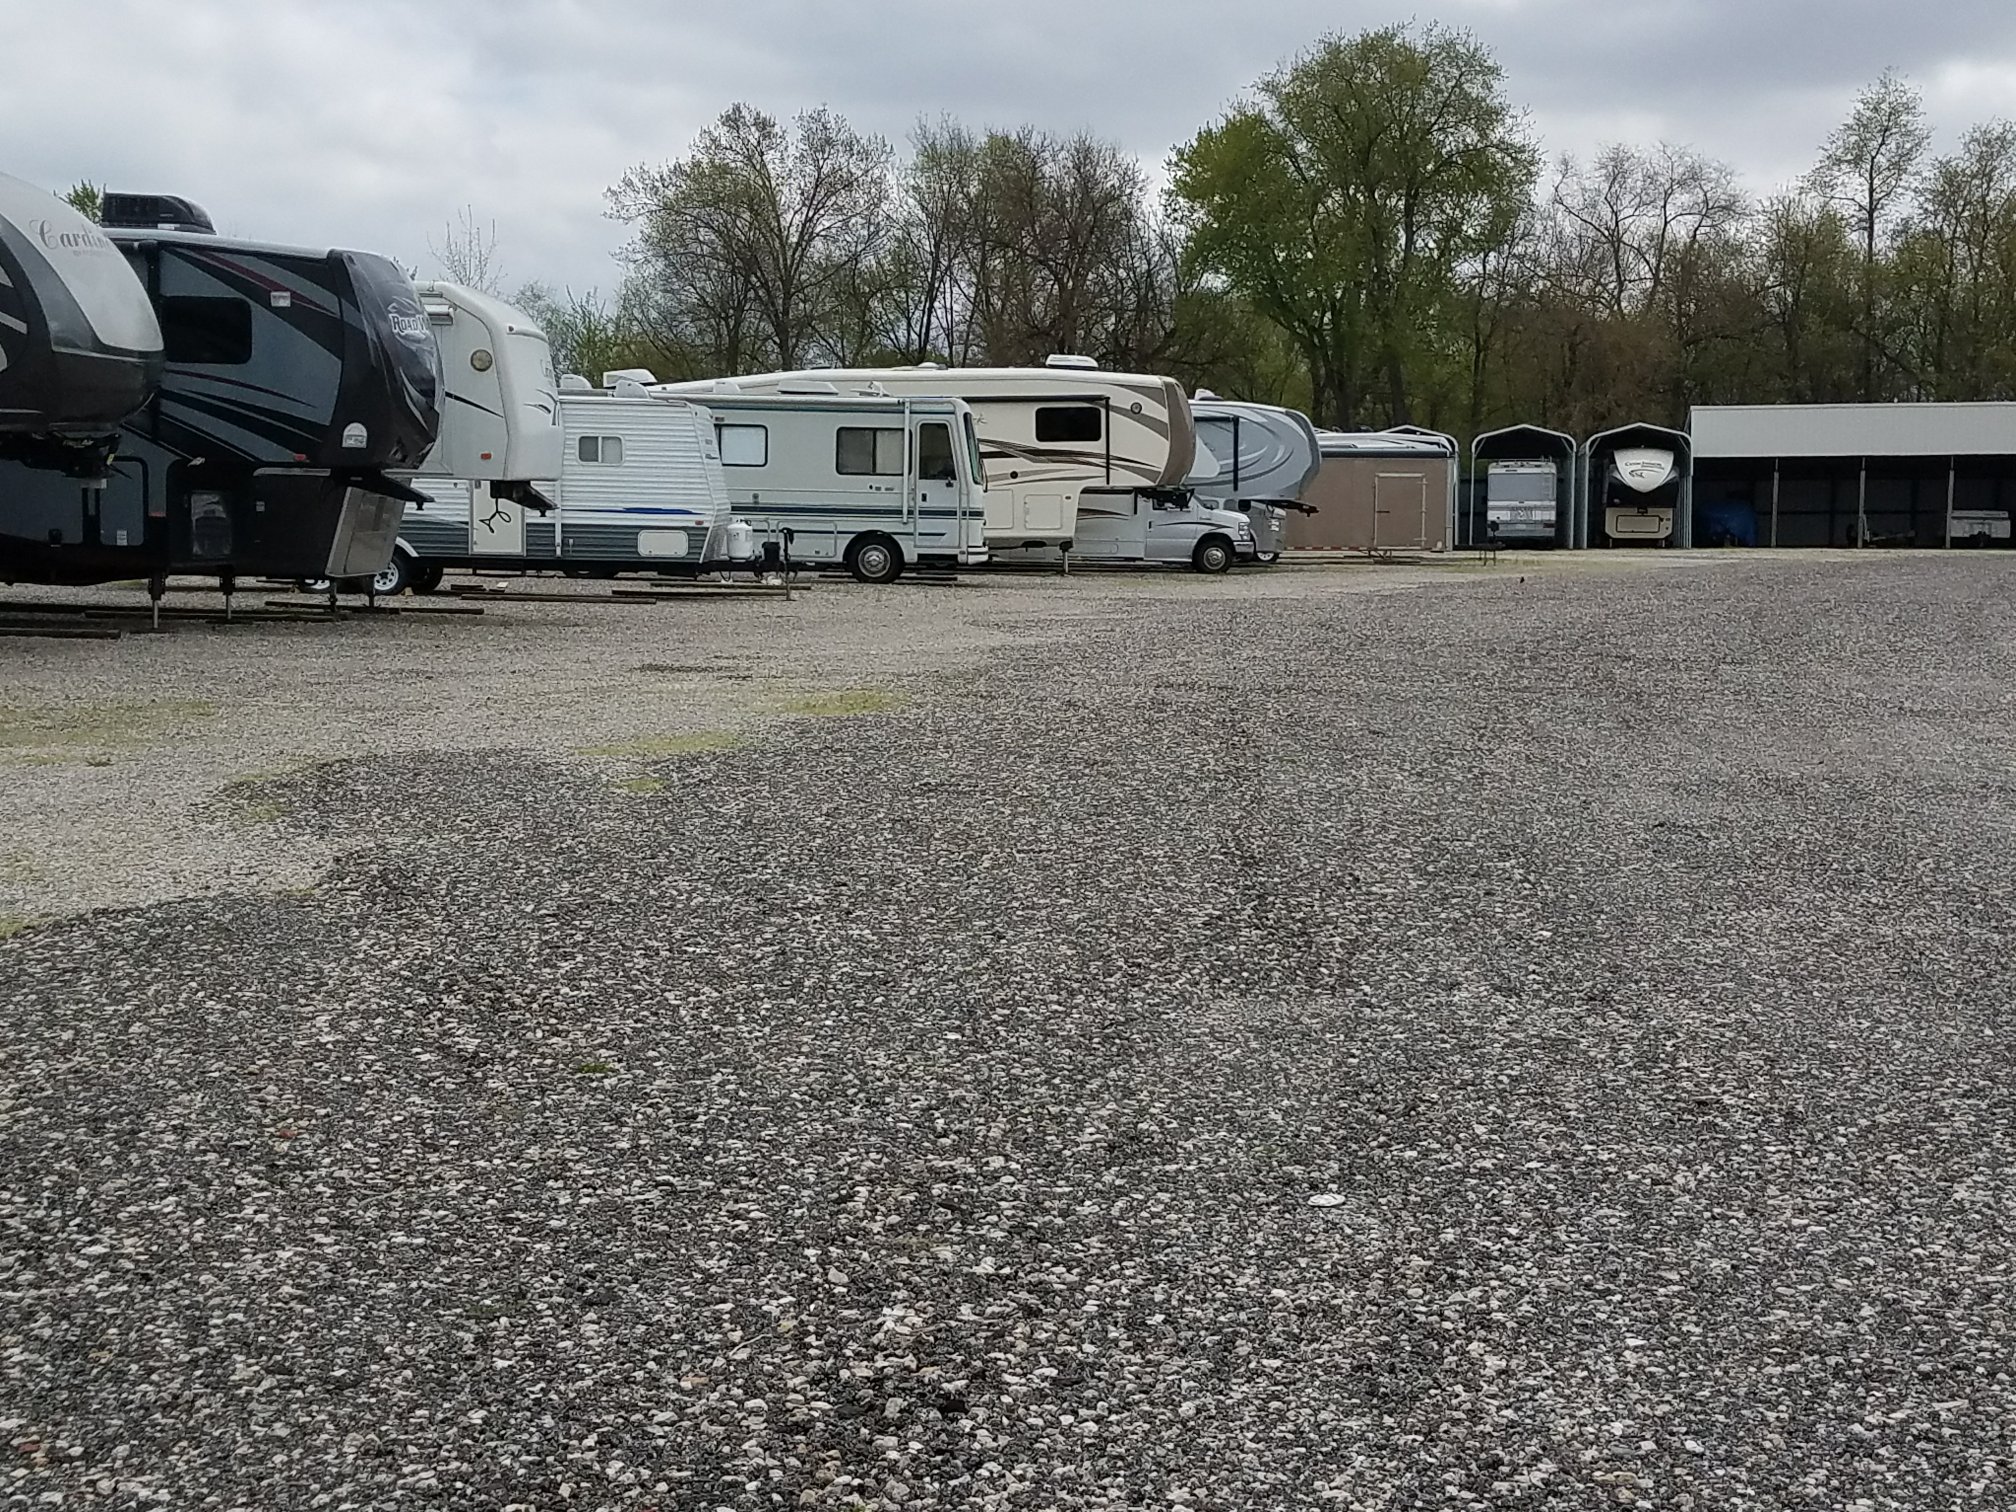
[{"x": 370, "y": 123}]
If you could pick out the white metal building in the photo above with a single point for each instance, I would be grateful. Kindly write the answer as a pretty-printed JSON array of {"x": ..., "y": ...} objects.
[{"x": 1854, "y": 474}]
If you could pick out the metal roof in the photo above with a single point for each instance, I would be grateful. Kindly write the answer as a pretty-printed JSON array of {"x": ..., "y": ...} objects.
[
  {"x": 1853, "y": 430},
  {"x": 1393, "y": 443}
]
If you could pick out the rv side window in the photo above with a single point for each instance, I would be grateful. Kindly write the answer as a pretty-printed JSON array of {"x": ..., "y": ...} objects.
[
  {"x": 860, "y": 452},
  {"x": 934, "y": 454},
  {"x": 1076, "y": 422},
  {"x": 207, "y": 331},
  {"x": 743, "y": 445},
  {"x": 604, "y": 451}
]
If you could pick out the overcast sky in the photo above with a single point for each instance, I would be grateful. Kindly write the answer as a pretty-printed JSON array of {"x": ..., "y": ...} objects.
[{"x": 369, "y": 123}]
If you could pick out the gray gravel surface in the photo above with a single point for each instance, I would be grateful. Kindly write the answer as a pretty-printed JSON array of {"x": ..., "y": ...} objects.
[{"x": 1516, "y": 1043}]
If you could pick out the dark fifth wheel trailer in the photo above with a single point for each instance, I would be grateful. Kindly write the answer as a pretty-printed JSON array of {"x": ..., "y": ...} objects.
[
  {"x": 297, "y": 381},
  {"x": 80, "y": 349}
]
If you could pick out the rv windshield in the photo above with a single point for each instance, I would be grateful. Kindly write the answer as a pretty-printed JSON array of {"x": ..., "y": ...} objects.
[{"x": 973, "y": 451}]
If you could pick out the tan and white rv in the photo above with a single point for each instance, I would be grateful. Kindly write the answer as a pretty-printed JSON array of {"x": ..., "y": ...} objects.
[{"x": 1049, "y": 436}]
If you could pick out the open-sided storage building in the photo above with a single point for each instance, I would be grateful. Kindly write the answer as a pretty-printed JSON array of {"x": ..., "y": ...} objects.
[{"x": 1854, "y": 474}]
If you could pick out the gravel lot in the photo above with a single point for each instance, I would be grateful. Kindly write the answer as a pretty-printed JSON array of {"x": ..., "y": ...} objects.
[{"x": 1528, "y": 1038}]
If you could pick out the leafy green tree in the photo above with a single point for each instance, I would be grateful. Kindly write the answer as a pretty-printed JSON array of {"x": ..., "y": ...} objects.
[
  {"x": 88, "y": 200},
  {"x": 1350, "y": 199}
]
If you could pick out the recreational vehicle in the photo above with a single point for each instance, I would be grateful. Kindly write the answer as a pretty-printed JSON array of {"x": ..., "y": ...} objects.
[
  {"x": 500, "y": 430},
  {"x": 1521, "y": 502},
  {"x": 1256, "y": 459},
  {"x": 1048, "y": 435},
  {"x": 875, "y": 484},
  {"x": 80, "y": 349},
  {"x": 1636, "y": 505},
  {"x": 637, "y": 488},
  {"x": 298, "y": 382}
]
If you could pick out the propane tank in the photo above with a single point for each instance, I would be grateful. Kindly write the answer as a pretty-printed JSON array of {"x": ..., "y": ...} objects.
[{"x": 741, "y": 541}]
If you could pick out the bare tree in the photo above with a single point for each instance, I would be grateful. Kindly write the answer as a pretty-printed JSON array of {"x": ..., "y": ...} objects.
[
  {"x": 754, "y": 243},
  {"x": 467, "y": 253}
]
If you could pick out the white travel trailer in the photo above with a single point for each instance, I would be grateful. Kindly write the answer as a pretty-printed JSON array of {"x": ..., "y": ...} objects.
[
  {"x": 1256, "y": 459},
  {"x": 639, "y": 489},
  {"x": 874, "y": 484},
  {"x": 1049, "y": 436}
]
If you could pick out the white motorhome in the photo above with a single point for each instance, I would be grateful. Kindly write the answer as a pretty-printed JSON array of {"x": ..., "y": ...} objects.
[
  {"x": 1522, "y": 501},
  {"x": 871, "y": 483},
  {"x": 1256, "y": 459},
  {"x": 639, "y": 489},
  {"x": 1049, "y": 436}
]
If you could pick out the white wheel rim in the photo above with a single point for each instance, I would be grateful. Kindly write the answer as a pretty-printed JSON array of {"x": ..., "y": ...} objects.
[{"x": 387, "y": 581}]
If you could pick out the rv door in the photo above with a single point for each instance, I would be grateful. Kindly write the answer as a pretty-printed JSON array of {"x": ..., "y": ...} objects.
[{"x": 937, "y": 479}]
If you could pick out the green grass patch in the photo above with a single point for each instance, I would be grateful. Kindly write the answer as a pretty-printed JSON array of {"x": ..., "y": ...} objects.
[
  {"x": 265, "y": 812},
  {"x": 56, "y": 732},
  {"x": 12, "y": 924},
  {"x": 846, "y": 704},
  {"x": 642, "y": 786},
  {"x": 656, "y": 747},
  {"x": 594, "y": 1068}
]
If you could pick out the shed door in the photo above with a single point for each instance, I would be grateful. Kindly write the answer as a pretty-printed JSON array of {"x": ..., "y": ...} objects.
[{"x": 1399, "y": 510}]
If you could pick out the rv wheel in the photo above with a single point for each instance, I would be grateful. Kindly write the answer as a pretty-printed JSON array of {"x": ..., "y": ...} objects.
[
  {"x": 427, "y": 579},
  {"x": 875, "y": 559},
  {"x": 1213, "y": 555},
  {"x": 1269, "y": 558},
  {"x": 394, "y": 578}
]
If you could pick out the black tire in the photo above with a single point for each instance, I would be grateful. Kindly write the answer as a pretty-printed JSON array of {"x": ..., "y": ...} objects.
[
  {"x": 1269, "y": 558},
  {"x": 395, "y": 578},
  {"x": 1213, "y": 556},
  {"x": 427, "y": 579},
  {"x": 875, "y": 559}
]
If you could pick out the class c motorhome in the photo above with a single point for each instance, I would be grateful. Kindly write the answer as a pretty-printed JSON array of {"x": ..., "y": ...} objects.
[
  {"x": 1049, "y": 436},
  {"x": 80, "y": 349},
  {"x": 298, "y": 382}
]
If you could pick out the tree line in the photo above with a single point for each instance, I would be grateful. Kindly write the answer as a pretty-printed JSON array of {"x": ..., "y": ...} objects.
[{"x": 1372, "y": 235}]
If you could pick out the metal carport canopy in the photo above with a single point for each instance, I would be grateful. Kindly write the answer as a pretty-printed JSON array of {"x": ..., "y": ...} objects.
[{"x": 1761, "y": 431}]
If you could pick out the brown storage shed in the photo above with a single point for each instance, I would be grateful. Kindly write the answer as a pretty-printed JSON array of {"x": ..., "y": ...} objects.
[{"x": 1378, "y": 491}]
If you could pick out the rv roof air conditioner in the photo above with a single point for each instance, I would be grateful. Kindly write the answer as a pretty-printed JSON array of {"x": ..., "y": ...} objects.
[
  {"x": 636, "y": 375},
  {"x": 154, "y": 212},
  {"x": 574, "y": 383},
  {"x": 809, "y": 386},
  {"x": 1067, "y": 360},
  {"x": 1203, "y": 393},
  {"x": 629, "y": 388}
]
